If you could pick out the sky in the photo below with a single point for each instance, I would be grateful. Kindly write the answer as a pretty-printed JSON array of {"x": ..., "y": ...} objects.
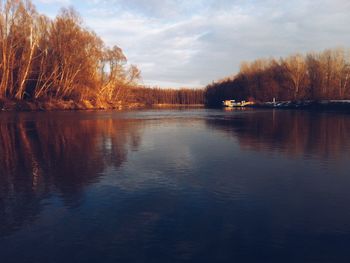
[{"x": 191, "y": 43}]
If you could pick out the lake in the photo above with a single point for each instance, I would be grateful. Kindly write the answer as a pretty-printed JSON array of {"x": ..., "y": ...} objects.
[{"x": 184, "y": 185}]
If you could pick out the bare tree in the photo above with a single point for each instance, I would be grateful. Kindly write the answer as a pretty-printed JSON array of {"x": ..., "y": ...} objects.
[{"x": 296, "y": 70}]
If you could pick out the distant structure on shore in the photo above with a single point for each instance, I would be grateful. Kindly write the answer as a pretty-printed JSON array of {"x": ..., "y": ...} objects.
[{"x": 233, "y": 103}]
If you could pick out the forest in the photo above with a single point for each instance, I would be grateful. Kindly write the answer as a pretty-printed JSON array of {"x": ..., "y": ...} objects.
[
  {"x": 153, "y": 96},
  {"x": 61, "y": 60},
  {"x": 314, "y": 76}
]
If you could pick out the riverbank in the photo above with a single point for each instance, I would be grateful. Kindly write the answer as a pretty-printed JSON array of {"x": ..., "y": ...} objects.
[
  {"x": 66, "y": 105},
  {"x": 337, "y": 105},
  {"x": 70, "y": 105},
  {"x": 54, "y": 105}
]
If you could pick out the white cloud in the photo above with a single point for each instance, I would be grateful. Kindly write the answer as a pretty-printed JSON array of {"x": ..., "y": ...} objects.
[{"x": 178, "y": 42}]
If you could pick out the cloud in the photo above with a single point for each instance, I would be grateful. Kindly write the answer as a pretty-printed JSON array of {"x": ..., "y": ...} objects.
[{"x": 178, "y": 42}]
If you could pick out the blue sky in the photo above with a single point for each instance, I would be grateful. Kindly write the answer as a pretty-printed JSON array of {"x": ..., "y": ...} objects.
[{"x": 190, "y": 43}]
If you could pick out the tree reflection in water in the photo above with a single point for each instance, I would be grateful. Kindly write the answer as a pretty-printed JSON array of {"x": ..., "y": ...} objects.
[
  {"x": 203, "y": 185},
  {"x": 45, "y": 153},
  {"x": 293, "y": 133}
]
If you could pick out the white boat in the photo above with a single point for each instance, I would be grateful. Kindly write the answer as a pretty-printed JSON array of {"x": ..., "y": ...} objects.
[{"x": 233, "y": 103}]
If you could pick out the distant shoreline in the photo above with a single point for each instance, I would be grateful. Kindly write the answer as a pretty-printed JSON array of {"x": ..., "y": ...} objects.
[
  {"x": 321, "y": 105},
  {"x": 337, "y": 105},
  {"x": 70, "y": 105}
]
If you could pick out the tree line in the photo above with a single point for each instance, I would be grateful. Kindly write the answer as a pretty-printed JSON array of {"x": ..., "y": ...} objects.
[
  {"x": 314, "y": 76},
  {"x": 59, "y": 58},
  {"x": 152, "y": 96}
]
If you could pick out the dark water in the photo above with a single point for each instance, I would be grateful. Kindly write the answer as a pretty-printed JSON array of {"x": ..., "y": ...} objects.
[{"x": 175, "y": 186}]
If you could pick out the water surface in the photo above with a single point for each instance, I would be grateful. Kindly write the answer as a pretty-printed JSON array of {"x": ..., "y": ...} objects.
[{"x": 175, "y": 186}]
